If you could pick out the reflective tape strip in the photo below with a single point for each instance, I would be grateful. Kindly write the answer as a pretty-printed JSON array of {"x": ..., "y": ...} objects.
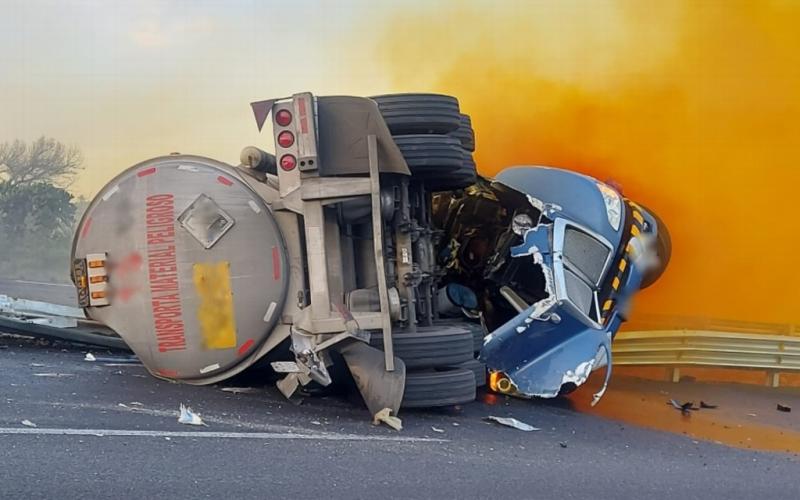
[
  {"x": 622, "y": 265},
  {"x": 634, "y": 231},
  {"x": 270, "y": 312},
  {"x": 254, "y": 206},
  {"x": 607, "y": 305},
  {"x": 146, "y": 171},
  {"x": 245, "y": 347},
  {"x": 188, "y": 168},
  {"x": 210, "y": 368},
  {"x": 615, "y": 283},
  {"x": 638, "y": 217},
  {"x": 111, "y": 192}
]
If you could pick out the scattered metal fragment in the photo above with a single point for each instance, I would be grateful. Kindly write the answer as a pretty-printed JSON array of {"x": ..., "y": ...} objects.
[
  {"x": 240, "y": 390},
  {"x": 707, "y": 406},
  {"x": 784, "y": 408},
  {"x": 28, "y": 423},
  {"x": 38, "y": 365},
  {"x": 386, "y": 417},
  {"x": 89, "y": 357},
  {"x": 562, "y": 444},
  {"x": 436, "y": 429},
  {"x": 188, "y": 417},
  {"x": 512, "y": 422},
  {"x": 683, "y": 407},
  {"x": 53, "y": 374}
]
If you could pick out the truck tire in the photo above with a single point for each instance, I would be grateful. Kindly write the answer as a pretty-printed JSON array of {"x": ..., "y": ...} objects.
[
  {"x": 419, "y": 113},
  {"x": 465, "y": 176},
  {"x": 478, "y": 333},
  {"x": 431, "y": 155},
  {"x": 477, "y": 368},
  {"x": 430, "y": 347},
  {"x": 465, "y": 134},
  {"x": 430, "y": 389}
]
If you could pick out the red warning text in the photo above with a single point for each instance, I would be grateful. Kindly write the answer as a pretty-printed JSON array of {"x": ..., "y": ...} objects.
[{"x": 163, "y": 273}]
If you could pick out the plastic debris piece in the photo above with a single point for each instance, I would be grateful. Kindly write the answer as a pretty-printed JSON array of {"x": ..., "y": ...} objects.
[
  {"x": 436, "y": 429},
  {"x": 136, "y": 403},
  {"x": 385, "y": 416},
  {"x": 683, "y": 407},
  {"x": 240, "y": 390},
  {"x": 89, "y": 357},
  {"x": 513, "y": 422},
  {"x": 562, "y": 444},
  {"x": 707, "y": 406},
  {"x": 316, "y": 422},
  {"x": 38, "y": 365},
  {"x": 28, "y": 423},
  {"x": 189, "y": 417},
  {"x": 53, "y": 375},
  {"x": 784, "y": 408}
]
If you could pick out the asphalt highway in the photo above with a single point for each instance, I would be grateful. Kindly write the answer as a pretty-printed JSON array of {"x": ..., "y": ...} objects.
[{"x": 92, "y": 430}]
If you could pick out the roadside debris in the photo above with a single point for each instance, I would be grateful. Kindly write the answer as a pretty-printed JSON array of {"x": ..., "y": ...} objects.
[
  {"x": 683, "y": 407},
  {"x": 784, "y": 408},
  {"x": 562, "y": 444},
  {"x": 386, "y": 417},
  {"x": 512, "y": 422},
  {"x": 52, "y": 374},
  {"x": 240, "y": 390},
  {"x": 436, "y": 429},
  {"x": 89, "y": 357},
  {"x": 189, "y": 417},
  {"x": 707, "y": 406},
  {"x": 28, "y": 423}
]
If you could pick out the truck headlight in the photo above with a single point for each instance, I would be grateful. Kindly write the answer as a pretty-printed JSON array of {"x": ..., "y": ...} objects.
[{"x": 613, "y": 205}]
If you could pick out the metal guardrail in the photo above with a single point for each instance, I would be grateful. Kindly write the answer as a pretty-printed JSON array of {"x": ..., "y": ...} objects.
[{"x": 676, "y": 348}]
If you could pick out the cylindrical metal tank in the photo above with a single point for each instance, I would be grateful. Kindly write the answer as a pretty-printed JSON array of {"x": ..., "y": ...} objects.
[{"x": 197, "y": 266}]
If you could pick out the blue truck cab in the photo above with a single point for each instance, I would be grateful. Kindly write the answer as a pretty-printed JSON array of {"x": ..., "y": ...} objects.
[{"x": 555, "y": 258}]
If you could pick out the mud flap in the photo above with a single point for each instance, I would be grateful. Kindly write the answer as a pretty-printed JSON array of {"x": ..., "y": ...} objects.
[{"x": 379, "y": 388}]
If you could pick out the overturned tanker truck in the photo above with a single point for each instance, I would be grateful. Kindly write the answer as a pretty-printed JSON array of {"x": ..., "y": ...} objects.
[{"x": 366, "y": 240}]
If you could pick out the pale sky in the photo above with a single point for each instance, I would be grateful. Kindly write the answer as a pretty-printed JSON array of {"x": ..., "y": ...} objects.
[{"x": 129, "y": 80}]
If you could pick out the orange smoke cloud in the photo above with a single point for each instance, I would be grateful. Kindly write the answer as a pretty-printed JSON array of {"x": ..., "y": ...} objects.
[{"x": 692, "y": 107}]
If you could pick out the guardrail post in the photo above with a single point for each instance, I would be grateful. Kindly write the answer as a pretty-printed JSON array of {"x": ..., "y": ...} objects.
[{"x": 773, "y": 378}]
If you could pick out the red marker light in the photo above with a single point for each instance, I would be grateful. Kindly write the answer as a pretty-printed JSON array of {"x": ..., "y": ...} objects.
[
  {"x": 288, "y": 162},
  {"x": 283, "y": 117},
  {"x": 285, "y": 139}
]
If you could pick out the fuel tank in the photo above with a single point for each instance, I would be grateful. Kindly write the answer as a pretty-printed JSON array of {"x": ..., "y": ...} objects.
[{"x": 190, "y": 263}]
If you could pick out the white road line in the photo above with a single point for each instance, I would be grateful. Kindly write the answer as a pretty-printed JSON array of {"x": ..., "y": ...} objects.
[
  {"x": 40, "y": 283},
  {"x": 210, "y": 435}
]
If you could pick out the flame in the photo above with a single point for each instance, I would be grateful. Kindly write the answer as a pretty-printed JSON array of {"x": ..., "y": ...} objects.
[{"x": 692, "y": 107}]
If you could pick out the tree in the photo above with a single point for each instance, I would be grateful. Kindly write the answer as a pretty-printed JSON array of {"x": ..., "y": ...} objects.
[
  {"x": 43, "y": 160},
  {"x": 38, "y": 208}
]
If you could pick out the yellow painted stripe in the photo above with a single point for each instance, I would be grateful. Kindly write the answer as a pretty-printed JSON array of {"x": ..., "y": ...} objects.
[
  {"x": 622, "y": 265},
  {"x": 638, "y": 217},
  {"x": 212, "y": 282},
  {"x": 634, "y": 231},
  {"x": 615, "y": 283},
  {"x": 607, "y": 305}
]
